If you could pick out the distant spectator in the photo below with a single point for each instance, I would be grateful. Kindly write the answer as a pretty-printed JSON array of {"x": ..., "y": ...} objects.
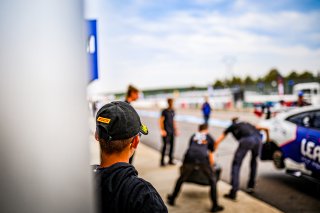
[
  {"x": 168, "y": 130},
  {"x": 132, "y": 95},
  {"x": 268, "y": 110},
  {"x": 301, "y": 102},
  {"x": 263, "y": 108},
  {"x": 206, "y": 110}
]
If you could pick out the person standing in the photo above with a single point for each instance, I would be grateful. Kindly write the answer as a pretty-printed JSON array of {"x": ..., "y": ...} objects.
[
  {"x": 118, "y": 187},
  {"x": 132, "y": 95},
  {"x": 168, "y": 130},
  {"x": 301, "y": 102},
  {"x": 249, "y": 139},
  {"x": 206, "y": 110},
  {"x": 199, "y": 155}
]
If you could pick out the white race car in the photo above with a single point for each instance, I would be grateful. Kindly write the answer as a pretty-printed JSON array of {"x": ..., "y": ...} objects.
[{"x": 295, "y": 137}]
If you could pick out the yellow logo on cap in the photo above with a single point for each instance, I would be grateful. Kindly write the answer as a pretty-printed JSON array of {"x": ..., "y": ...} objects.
[
  {"x": 104, "y": 120},
  {"x": 144, "y": 129}
]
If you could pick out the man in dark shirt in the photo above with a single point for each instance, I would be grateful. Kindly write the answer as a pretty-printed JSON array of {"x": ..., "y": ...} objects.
[
  {"x": 119, "y": 189},
  {"x": 168, "y": 130},
  {"x": 249, "y": 140},
  {"x": 199, "y": 155}
]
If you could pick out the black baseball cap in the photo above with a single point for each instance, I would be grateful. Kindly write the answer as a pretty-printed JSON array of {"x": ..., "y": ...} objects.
[{"x": 118, "y": 120}]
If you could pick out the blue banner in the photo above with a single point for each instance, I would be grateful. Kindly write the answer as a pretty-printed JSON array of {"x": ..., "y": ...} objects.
[{"x": 92, "y": 49}]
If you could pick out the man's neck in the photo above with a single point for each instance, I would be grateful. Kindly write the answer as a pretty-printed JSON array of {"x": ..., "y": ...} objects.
[
  {"x": 110, "y": 159},
  {"x": 203, "y": 131}
]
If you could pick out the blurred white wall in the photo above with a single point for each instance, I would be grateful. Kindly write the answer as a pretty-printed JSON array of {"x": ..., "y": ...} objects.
[{"x": 44, "y": 153}]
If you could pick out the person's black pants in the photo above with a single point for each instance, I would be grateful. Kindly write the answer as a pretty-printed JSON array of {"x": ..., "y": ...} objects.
[
  {"x": 251, "y": 143},
  {"x": 206, "y": 119},
  {"x": 168, "y": 139},
  {"x": 186, "y": 171}
]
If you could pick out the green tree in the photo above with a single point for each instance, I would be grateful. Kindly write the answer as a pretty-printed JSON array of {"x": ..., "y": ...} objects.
[
  {"x": 236, "y": 81},
  {"x": 218, "y": 84},
  {"x": 227, "y": 82},
  {"x": 292, "y": 76},
  {"x": 248, "y": 81},
  {"x": 306, "y": 75},
  {"x": 272, "y": 76}
]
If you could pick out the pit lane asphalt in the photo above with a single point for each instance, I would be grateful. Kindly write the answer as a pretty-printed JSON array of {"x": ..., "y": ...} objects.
[{"x": 275, "y": 187}]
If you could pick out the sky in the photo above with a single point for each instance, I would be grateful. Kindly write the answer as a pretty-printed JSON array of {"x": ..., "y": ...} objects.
[{"x": 172, "y": 43}]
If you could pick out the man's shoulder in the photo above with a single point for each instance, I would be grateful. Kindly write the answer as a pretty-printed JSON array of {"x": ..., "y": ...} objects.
[
  {"x": 167, "y": 111},
  {"x": 210, "y": 137},
  {"x": 132, "y": 192},
  {"x": 246, "y": 125},
  {"x": 146, "y": 191},
  {"x": 144, "y": 185},
  {"x": 164, "y": 110},
  {"x": 147, "y": 197},
  {"x": 230, "y": 128}
]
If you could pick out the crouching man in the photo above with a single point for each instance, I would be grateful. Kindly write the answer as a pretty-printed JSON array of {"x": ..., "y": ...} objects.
[
  {"x": 199, "y": 155},
  {"x": 119, "y": 189}
]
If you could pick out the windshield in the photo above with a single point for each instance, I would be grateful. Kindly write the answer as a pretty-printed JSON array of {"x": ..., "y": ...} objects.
[{"x": 306, "y": 91}]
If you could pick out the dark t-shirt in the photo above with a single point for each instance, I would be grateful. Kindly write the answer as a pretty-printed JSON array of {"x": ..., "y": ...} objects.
[
  {"x": 120, "y": 190},
  {"x": 198, "y": 149},
  {"x": 241, "y": 130},
  {"x": 168, "y": 115}
]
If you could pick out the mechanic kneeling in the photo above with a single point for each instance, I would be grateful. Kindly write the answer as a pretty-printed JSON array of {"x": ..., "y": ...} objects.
[{"x": 199, "y": 155}]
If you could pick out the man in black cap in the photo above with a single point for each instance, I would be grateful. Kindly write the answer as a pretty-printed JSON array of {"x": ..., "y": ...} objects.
[
  {"x": 119, "y": 189},
  {"x": 249, "y": 140}
]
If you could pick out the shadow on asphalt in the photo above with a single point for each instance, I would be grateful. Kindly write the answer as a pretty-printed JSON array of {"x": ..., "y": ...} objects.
[
  {"x": 303, "y": 185},
  {"x": 289, "y": 193}
]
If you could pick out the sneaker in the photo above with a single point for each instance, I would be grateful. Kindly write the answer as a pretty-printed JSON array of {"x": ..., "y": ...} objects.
[
  {"x": 230, "y": 196},
  {"x": 217, "y": 208},
  {"x": 250, "y": 190},
  {"x": 170, "y": 200}
]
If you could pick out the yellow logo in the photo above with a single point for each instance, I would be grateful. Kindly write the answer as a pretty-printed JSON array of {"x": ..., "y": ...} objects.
[
  {"x": 144, "y": 129},
  {"x": 104, "y": 120}
]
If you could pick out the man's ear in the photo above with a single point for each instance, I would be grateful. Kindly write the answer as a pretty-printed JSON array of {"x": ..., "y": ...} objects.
[
  {"x": 135, "y": 142},
  {"x": 96, "y": 136}
]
